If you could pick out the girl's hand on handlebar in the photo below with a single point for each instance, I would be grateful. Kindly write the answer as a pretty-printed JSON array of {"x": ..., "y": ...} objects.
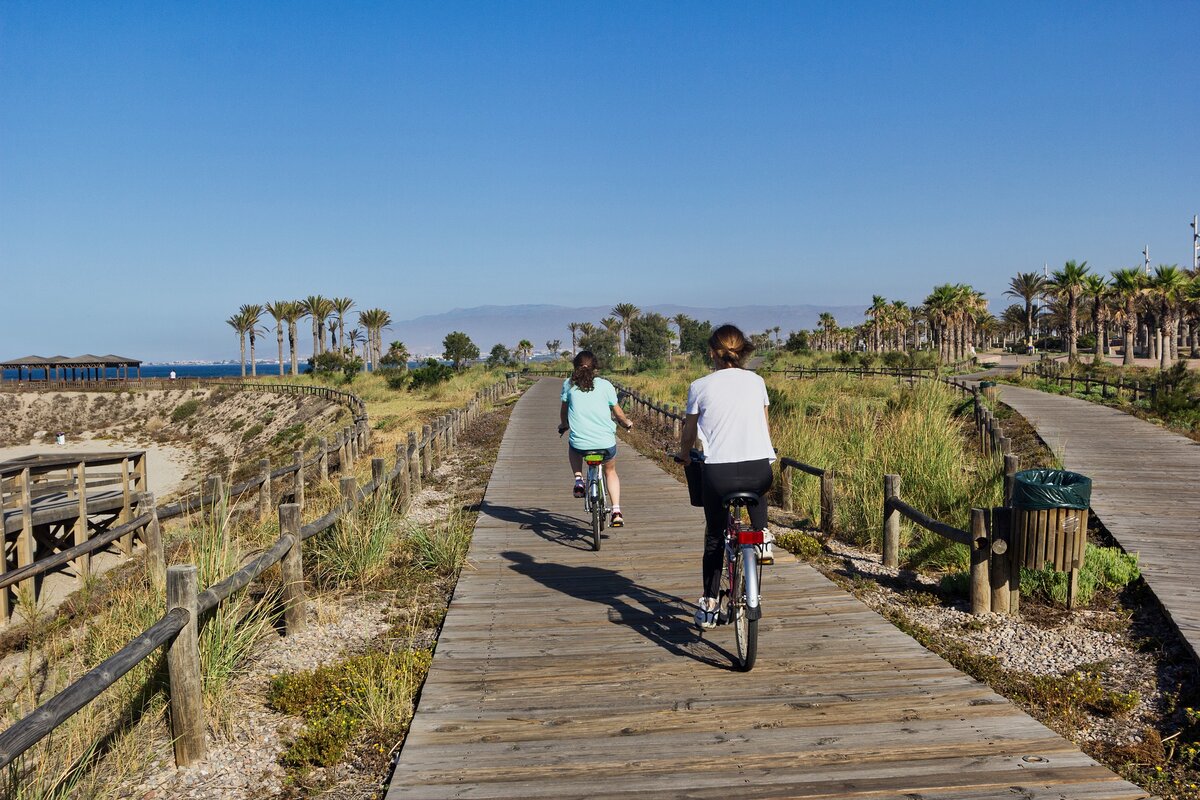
[{"x": 563, "y": 429}]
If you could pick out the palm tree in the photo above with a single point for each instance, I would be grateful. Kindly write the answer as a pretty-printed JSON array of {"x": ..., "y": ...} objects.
[
  {"x": 1169, "y": 287},
  {"x": 355, "y": 337},
  {"x": 295, "y": 312},
  {"x": 524, "y": 350},
  {"x": 238, "y": 323},
  {"x": 279, "y": 310},
  {"x": 876, "y": 311},
  {"x": 901, "y": 316},
  {"x": 1067, "y": 283},
  {"x": 1028, "y": 286},
  {"x": 627, "y": 313},
  {"x": 375, "y": 320},
  {"x": 1096, "y": 288},
  {"x": 554, "y": 345},
  {"x": 251, "y": 313},
  {"x": 827, "y": 325},
  {"x": 1128, "y": 286},
  {"x": 573, "y": 327},
  {"x": 313, "y": 306},
  {"x": 341, "y": 306}
]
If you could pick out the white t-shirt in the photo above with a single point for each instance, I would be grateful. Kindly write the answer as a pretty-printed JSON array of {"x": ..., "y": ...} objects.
[{"x": 733, "y": 422}]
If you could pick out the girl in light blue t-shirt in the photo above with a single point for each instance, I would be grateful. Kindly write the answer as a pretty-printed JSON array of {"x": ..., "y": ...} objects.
[{"x": 589, "y": 405}]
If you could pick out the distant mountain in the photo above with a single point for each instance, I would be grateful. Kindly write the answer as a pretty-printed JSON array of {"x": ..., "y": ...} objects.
[{"x": 487, "y": 325}]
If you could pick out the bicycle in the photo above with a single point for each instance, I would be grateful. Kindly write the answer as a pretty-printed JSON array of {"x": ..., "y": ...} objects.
[
  {"x": 739, "y": 599},
  {"x": 595, "y": 494}
]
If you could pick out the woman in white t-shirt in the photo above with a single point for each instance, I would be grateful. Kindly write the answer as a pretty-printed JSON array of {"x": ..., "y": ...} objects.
[{"x": 727, "y": 413}]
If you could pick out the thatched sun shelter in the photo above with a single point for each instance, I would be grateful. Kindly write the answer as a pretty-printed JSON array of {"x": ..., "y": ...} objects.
[{"x": 86, "y": 367}]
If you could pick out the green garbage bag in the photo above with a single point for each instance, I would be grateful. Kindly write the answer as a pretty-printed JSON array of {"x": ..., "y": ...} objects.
[
  {"x": 1040, "y": 489},
  {"x": 986, "y": 384}
]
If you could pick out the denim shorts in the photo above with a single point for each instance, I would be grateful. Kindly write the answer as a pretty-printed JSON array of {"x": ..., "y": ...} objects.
[{"x": 609, "y": 454}]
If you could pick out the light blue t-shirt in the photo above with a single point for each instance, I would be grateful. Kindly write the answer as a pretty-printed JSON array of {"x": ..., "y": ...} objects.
[{"x": 590, "y": 416}]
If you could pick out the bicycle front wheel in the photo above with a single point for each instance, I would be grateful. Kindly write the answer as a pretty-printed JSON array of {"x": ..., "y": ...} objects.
[
  {"x": 745, "y": 629},
  {"x": 597, "y": 489}
]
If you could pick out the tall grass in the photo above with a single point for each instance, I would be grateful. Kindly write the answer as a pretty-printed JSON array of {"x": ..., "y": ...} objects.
[
  {"x": 865, "y": 429},
  {"x": 441, "y": 546},
  {"x": 358, "y": 550}
]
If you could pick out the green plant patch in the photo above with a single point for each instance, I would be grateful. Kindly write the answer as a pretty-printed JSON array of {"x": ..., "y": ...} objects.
[
  {"x": 292, "y": 434},
  {"x": 184, "y": 410},
  {"x": 803, "y": 545},
  {"x": 338, "y": 701},
  {"x": 252, "y": 431},
  {"x": 1104, "y": 568}
]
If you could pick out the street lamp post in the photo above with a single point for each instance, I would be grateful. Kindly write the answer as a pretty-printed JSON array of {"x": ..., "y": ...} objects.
[{"x": 1195, "y": 243}]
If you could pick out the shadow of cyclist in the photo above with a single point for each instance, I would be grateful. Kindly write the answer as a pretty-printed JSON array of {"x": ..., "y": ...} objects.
[
  {"x": 551, "y": 526},
  {"x": 664, "y": 619}
]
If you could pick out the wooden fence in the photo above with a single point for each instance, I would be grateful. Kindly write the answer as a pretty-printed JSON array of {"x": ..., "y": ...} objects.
[
  {"x": 1134, "y": 390},
  {"x": 995, "y": 576},
  {"x": 178, "y": 629}
]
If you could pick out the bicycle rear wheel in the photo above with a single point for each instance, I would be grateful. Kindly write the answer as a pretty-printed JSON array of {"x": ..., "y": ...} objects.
[
  {"x": 745, "y": 629},
  {"x": 597, "y": 498}
]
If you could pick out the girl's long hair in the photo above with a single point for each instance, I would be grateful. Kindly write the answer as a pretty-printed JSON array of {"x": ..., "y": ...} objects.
[
  {"x": 730, "y": 346},
  {"x": 585, "y": 370}
]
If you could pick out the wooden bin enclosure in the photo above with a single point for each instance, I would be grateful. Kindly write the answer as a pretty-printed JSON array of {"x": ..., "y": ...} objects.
[{"x": 1055, "y": 536}]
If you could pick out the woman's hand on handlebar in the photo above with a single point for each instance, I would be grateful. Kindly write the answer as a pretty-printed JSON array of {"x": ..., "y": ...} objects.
[{"x": 563, "y": 429}]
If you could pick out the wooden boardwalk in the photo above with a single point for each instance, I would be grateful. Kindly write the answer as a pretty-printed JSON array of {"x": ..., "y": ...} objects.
[
  {"x": 1145, "y": 488},
  {"x": 566, "y": 673}
]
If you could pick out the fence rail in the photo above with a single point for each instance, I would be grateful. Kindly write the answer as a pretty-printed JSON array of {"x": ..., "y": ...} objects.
[
  {"x": 1135, "y": 390},
  {"x": 186, "y": 605}
]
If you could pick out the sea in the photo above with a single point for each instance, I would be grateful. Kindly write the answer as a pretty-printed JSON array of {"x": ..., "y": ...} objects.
[{"x": 188, "y": 371}]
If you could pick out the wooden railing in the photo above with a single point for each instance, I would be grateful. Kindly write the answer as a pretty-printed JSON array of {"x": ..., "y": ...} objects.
[
  {"x": 1135, "y": 390},
  {"x": 177, "y": 629}
]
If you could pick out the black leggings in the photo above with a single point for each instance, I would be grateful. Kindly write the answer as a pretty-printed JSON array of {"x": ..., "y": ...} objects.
[{"x": 717, "y": 481}]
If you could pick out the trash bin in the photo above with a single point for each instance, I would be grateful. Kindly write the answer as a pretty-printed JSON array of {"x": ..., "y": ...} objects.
[{"x": 1050, "y": 515}]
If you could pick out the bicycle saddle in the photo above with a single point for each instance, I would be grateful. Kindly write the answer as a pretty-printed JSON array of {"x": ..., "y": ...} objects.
[{"x": 738, "y": 499}]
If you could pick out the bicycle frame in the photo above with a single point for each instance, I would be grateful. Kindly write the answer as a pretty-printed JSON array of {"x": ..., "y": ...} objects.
[{"x": 595, "y": 488}]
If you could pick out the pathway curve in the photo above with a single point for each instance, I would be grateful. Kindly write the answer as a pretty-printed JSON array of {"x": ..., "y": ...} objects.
[
  {"x": 566, "y": 673},
  {"x": 1145, "y": 489}
]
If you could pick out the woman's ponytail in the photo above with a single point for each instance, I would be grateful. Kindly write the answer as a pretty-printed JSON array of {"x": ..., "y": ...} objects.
[{"x": 585, "y": 370}]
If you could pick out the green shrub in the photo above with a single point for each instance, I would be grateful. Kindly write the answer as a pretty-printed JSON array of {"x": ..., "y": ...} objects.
[
  {"x": 184, "y": 410},
  {"x": 394, "y": 378},
  {"x": 431, "y": 373},
  {"x": 1103, "y": 568},
  {"x": 252, "y": 431}
]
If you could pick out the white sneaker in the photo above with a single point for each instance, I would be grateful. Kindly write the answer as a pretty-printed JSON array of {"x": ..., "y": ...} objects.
[
  {"x": 706, "y": 617},
  {"x": 766, "y": 554}
]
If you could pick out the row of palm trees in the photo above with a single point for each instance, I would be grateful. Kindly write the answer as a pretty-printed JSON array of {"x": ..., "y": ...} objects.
[
  {"x": 1164, "y": 307},
  {"x": 328, "y": 318}
]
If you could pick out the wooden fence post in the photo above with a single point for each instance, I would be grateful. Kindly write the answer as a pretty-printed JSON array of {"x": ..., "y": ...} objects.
[
  {"x": 156, "y": 564},
  {"x": 83, "y": 564},
  {"x": 183, "y": 668},
  {"x": 998, "y": 569},
  {"x": 981, "y": 589},
  {"x": 264, "y": 489},
  {"x": 426, "y": 451},
  {"x": 1011, "y": 464},
  {"x": 323, "y": 459},
  {"x": 292, "y": 566},
  {"x": 214, "y": 495},
  {"x": 414, "y": 465},
  {"x": 827, "y": 502},
  {"x": 785, "y": 487},
  {"x": 298, "y": 479},
  {"x": 400, "y": 482},
  {"x": 378, "y": 470},
  {"x": 349, "y": 489},
  {"x": 891, "y": 522},
  {"x": 125, "y": 543}
]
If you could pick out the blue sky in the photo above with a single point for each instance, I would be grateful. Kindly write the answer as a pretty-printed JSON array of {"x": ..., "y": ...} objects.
[{"x": 161, "y": 163}]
